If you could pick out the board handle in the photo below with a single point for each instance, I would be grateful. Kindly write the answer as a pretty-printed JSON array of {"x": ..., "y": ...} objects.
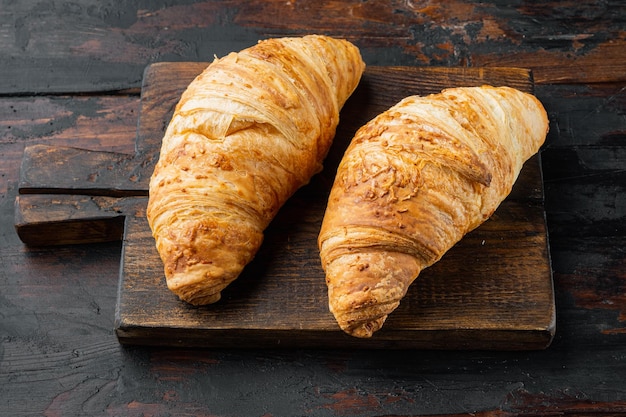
[
  {"x": 59, "y": 219},
  {"x": 65, "y": 170}
]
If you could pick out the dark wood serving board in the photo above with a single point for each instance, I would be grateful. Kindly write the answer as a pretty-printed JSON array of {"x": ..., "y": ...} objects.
[{"x": 493, "y": 290}]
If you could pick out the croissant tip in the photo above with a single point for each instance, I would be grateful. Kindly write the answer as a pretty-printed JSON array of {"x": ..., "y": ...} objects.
[
  {"x": 194, "y": 290},
  {"x": 200, "y": 300},
  {"x": 365, "y": 330}
]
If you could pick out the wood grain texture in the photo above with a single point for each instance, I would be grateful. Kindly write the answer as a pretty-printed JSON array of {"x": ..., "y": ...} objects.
[
  {"x": 585, "y": 186},
  {"x": 561, "y": 41},
  {"x": 102, "y": 123},
  {"x": 492, "y": 291},
  {"x": 59, "y": 219},
  {"x": 80, "y": 171},
  {"x": 59, "y": 355}
]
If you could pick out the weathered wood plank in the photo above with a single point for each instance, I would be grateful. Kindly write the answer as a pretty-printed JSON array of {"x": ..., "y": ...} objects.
[
  {"x": 492, "y": 291},
  {"x": 48, "y": 219},
  {"x": 48, "y": 169},
  {"x": 58, "y": 352},
  {"x": 51, "y": 49},
  {"x": 585, "y": 188},
  {"x": 97, "y": 123}
]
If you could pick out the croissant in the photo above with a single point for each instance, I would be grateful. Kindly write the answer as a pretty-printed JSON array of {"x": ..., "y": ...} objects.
[
  {"x": 412, "y": 183},
  {"x": 249, "y": 131}
]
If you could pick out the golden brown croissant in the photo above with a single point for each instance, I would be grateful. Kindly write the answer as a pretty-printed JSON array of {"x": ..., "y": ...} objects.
[
  {"x": 412, "y": 183},
  {"x": 246, "y": 134}
]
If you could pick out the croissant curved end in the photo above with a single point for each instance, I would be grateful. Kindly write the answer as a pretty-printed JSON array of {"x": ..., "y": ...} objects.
[
  {"x": 192, "y": 285},
  {"x": 365, "y": 326},
  {"x": 365, "y": 287},
  {"x": 365, "y": 330}
]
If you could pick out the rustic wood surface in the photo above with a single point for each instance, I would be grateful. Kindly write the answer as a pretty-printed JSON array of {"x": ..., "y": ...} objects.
[
  {"x": 71, "y": 76},
  {"x": 504, "y": 300}
]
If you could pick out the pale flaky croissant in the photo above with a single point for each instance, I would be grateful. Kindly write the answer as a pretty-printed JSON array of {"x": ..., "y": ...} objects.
[
  {"x": 247, "y": 133},
  {"x": 411, "y": 184}
]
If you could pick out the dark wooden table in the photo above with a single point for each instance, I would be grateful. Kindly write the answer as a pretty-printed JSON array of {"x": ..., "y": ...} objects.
[{"x": 70, "y": 75}]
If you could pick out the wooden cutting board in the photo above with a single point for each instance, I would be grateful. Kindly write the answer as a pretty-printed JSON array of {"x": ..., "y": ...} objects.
[{"x": 493, "y": 290}]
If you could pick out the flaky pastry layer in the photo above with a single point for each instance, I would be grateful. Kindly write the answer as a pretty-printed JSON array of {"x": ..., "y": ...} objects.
[
  {"x": 412, "y": 183},
  {"x": 247, "y": 133}
]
